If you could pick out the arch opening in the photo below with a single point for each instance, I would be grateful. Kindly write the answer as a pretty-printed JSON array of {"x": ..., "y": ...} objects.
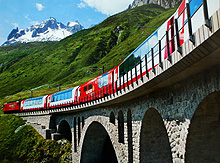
[
  {"x": 52, "y": 128},
  {"x": 203, "y": 143},
  {"x": 112, "y": 118},
  {"x": 154, "y": 142},
  {"x": 52, "y": 124},
  {"x": 65, "y": 131},
  {"x": 97, "y": 146},
  {"x": 120, "y": 127}
]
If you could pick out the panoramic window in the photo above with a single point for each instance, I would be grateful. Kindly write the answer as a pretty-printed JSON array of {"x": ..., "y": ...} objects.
[
  {"x": 128, "y": 64},
  {"x": 103, "y": 80},
  {"x": 61, "y": 96}
]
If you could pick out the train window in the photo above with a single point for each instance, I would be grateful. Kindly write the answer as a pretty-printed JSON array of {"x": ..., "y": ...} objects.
[
  {"x": 66, "y": 95},
  {"x": 90, "y": 86},
  {"x": 62, "y": 96},
  {"x": 194, "y": 5},
  {"x": 70, "y": 94},
  {"x": 128, "y": 64},
  {"x": 103, "y": 80},
  {"x": 85, "y": 88},
  {"x": 79, "y": 93}
]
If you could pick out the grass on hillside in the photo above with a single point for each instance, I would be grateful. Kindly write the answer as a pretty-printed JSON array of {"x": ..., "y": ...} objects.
[{"x": 27, "y": 145}]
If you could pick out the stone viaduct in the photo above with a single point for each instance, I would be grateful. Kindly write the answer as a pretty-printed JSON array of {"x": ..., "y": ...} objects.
[{"x": 171, "y": 116}]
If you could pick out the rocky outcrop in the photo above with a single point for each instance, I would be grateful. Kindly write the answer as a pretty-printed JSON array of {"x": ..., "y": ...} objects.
[{"x": 163, "y": 3}]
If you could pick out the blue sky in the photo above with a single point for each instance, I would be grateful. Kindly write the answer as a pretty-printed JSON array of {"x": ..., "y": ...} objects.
[{"x": 24, "y": 13}]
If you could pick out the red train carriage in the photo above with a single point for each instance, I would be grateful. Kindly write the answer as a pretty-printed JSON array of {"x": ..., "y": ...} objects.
[
  {"x": 98, "y": 87},
  {"x": 12, "y": 107}
]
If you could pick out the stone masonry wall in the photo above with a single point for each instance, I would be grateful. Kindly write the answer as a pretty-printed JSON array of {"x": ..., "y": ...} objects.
[{"x": 40, "y": 123}]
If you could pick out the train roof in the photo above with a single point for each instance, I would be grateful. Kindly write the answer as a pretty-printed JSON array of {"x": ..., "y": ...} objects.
[
  {"x": 61, "y": 92},
  {"x": 12, "y": 102},
  {"x": 36, "y": 98}
]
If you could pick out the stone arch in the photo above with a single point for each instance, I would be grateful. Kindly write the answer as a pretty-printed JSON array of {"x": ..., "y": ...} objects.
[
  {"x": 65, "y": 130},
  {"x": 203, "y": 143},
  {"x": 154, "y": 142},
  {"x": 97, "y": 146},
  {"x": 112, "y": 131}
]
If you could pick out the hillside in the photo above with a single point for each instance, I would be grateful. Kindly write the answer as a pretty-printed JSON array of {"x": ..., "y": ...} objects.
[
  {"x": 27, "y": 145},
  {"x": 27, "y": 66}
]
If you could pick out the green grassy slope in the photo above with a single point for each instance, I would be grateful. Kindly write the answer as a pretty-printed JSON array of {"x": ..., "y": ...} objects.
[
  {"x": 27, "y": 145},
  {"x": 30, "y": 65}
]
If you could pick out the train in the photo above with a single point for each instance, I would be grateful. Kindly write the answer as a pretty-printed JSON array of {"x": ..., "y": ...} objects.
[{"x": 158, "y": 47}]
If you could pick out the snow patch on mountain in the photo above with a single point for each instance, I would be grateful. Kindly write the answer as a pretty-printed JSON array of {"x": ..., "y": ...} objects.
[{"x": 47, "y": 30}]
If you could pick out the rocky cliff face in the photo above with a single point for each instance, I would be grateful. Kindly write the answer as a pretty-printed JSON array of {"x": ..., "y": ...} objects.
[
  {"x": 163, "y": 3},
  {"x": 47, "y": 30}
]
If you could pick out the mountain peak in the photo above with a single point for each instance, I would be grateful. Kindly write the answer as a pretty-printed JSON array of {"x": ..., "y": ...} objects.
[
  {"x": 70, "y": 24},
  {"x": 47, "y": 30},
  {"x": 12, "y": 34}
]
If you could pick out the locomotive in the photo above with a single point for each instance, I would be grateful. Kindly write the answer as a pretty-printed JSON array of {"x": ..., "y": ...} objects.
[{"x": 151, "y": 53}]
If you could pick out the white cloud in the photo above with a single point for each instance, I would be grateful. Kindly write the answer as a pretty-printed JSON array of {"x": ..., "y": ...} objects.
[
  {"x": 39, "y": 6},
  {"x": 81, "y": 5},
  {"x": 108, "y": 7},
  {"x": 27, "y": 17},
  {"x": 15, "y": 24}
]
